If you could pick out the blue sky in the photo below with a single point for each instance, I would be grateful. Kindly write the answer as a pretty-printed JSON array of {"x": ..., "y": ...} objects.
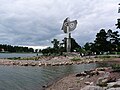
[{"x": 37, "y": 22}]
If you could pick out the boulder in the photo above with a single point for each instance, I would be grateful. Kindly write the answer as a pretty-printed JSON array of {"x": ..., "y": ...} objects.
[
  {"x": 33, "y": 64},
  {"x": 87, "y": 83},
  {"x": 81, "y": 79},
  {"x": 114, "y": 88},
  {"x": 92, "y": 88},
  {"x": 81, "y": 74},
  {"x": 114, "y": 84},
  {"x": 102, "y": 82},
  {"x": 25, "y": 64}
]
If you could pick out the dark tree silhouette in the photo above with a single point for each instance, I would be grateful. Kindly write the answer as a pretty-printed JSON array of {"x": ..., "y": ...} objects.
[
  {"x": 55, "y": 43},
  {"x": 118, "y": 24},
  {"x": 118, "y": 20},
  {"x": 9, "y": 48},
  {"x": 74, "y": 44},
  {"x": 104, "y": 42},
  {"x": 101, "y": 41}
]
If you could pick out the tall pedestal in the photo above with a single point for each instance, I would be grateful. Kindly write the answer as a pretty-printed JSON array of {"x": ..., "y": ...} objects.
[{"x": 68, "y": 40}]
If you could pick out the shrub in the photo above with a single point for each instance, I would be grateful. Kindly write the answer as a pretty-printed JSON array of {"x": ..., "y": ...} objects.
[{"x": 116, "y": 67}]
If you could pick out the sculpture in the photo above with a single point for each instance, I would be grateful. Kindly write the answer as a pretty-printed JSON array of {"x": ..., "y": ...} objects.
[{"x": 67, "y": 27}]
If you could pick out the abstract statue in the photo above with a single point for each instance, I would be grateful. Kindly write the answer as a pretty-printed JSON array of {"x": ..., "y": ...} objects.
[{"x": 67, "y": 27}]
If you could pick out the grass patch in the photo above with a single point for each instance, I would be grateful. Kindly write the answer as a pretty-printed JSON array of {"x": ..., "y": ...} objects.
[
  {"x": 24, "y": 58},
  {"x": 103, "y": 84},
  {"x": 76, "y": 59},
  {"x": 78, "y": 81},
  {"x": 102, "y": 57},
  {"x": 107, "y": 56},
  {"x": 116, "y": 67},
  {"x": 14, "y": 58}
]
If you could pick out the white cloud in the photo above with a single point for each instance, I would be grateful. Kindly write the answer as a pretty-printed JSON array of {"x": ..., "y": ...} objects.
[
  {"x": 36, "y": 22},
  {"x": 36, "y": 47}
]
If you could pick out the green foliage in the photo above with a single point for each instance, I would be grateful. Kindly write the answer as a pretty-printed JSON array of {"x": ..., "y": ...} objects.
[
  {"x": 55, "y": 43},
  {"x": 106, "y": 56},
  {"x": 116, "y": 66},
  {"x": 74, "y": 45},
  {"x": 102, "y": 84},
  {"x": 82, "y": 50},
  {"x": 118, "y": 24},
  {"x": 51, "y": 51},
  {"x": 105, "y": 42},
  {"x": 87, "y": 46},
  {"x": 47, "y": 51},
  {"x": 24, "y": 58},
  {"x": 101, "y": 41},
  {"x": 14, "y": 58},
  {"x": 9, "y": 48},
  {"x": 59, "y": 48}
]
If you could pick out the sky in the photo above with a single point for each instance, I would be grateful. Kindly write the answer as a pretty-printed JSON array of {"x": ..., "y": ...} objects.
[{"x": 37, "y": 22}]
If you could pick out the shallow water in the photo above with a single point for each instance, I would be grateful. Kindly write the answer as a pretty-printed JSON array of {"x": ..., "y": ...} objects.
[
  {"x": 33, "y": 78},
  {"x": 11, "y": 55}
]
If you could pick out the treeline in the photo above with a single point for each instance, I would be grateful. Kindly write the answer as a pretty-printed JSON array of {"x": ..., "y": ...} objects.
[
  {"x": 60, "y": 47},
  {"x": 9, "y": 48},
  {"x": 106, "y": 41}
]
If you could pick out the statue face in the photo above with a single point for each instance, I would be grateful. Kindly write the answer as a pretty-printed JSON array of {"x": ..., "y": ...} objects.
[{"x": 71, "y": 25}]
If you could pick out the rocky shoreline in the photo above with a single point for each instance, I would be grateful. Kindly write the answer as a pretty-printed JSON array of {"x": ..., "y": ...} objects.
[
  {"x": 80, "y": 81},
  {"x": 48, "y": 61},
  {"x": 97, "y": 79}
]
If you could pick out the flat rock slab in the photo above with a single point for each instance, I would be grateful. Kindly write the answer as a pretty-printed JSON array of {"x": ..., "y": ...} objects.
[
  {"x": 92, "y": 88},
  {"x": 114, "y": 88}
]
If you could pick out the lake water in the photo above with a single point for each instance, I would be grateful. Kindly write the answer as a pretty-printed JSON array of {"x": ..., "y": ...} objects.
[
  {"x": 33, "y": 78},
  {"x": 11, "y": 55}
]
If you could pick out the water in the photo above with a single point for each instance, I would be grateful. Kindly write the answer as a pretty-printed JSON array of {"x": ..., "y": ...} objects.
[
  {"x": 11, "y": 55},
  {"x": 33, "y": 78}
]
